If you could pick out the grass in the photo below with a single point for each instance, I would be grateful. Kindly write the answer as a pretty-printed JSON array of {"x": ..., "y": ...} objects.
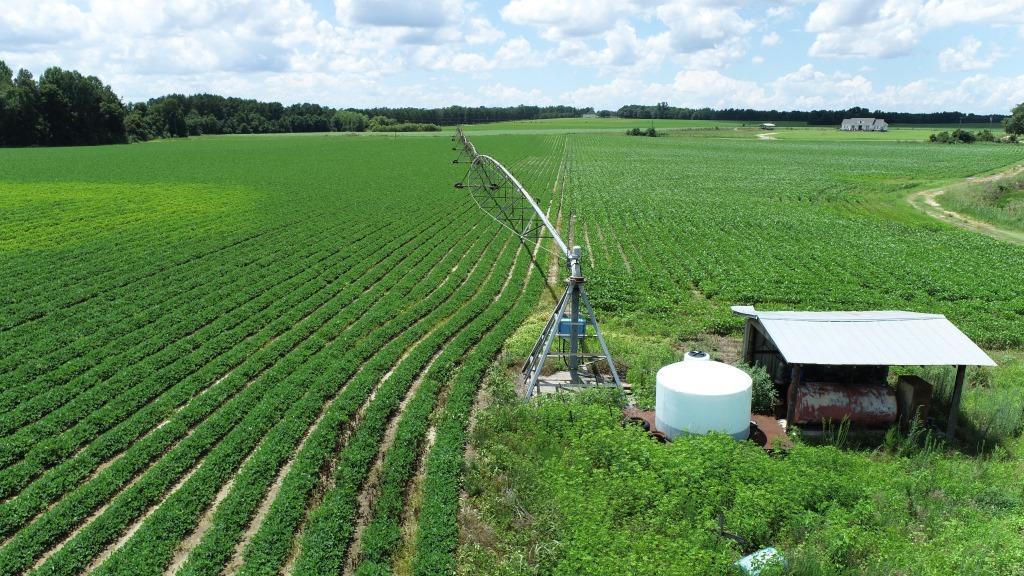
[
  {"x": 720, "y": 129},
  {"x": 251, "y": 312},
  {"x": 581, "y": 125},
  {"x": 1000, "y": 202},
  {"x": 674, "y": 231},
  {"x": 196, "y": 330}
]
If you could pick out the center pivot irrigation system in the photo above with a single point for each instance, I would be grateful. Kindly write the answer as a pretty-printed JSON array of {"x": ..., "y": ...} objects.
[{"x": 498, "y": 193}]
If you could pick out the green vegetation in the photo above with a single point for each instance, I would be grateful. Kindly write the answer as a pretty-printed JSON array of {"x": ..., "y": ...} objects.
[
  {"x": 564, "y": 489},
  {"x": 226, "y": 347},
  {"x": 63, "y": 108},
  {"x": 1000, "y": 201},
  {"x": 674, "y": 231},
  {"x": 960, "y": 136},
  {"x": 638, "y": 132},
  {"x": 681, "y": 228},
  {"x": 809, "y": 117},
  {"x": 1015, "y": 123},
  {"x": 268, "y": 361}
]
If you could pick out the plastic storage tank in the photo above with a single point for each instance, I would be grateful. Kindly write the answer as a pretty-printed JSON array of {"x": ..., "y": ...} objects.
[{"x": 700, "y": 397}]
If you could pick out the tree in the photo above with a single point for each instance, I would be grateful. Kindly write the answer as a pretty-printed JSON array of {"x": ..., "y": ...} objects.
[
  {"x": 20, "y": 120},
  {"x": 349, "y": 121},
  {"x": 1015, "y": 123},
  {"x": 79, "y": 109}
]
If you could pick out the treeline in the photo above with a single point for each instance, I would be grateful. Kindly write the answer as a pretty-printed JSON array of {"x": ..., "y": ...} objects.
[
  {"x": 177, "y": 115},
  {"x": 66, "y": 108},
  {"x": 63, "y": 108},
  {"x": 813, "y": 117},
  {"x": 452, "y": 115}
]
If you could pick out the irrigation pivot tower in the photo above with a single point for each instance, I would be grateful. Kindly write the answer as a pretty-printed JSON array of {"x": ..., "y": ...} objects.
[{"x": 498, "y": 193}]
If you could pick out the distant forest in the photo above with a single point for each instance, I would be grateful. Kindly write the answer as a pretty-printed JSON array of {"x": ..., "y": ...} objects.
[
  {"x": 65, "y": 108},
  {"x": 813, "y": 117}
]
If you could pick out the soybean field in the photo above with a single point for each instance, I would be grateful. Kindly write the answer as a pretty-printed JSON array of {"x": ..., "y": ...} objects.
[
  {"x": 677, "y": 229},
  {"x": 245, "y": 355},
  {"x": 261, "y": 354}
]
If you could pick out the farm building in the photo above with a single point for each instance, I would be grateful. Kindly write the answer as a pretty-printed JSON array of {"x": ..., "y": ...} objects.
[
  {"x": 864, "y": 125},
  {"x": 835, "y": 365}
]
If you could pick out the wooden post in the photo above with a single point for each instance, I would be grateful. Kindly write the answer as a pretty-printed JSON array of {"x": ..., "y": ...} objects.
[
  {"x": 748, "y": 342},
  {"x": 954, "y": 403},
  {"x": 797, "y": 375}
]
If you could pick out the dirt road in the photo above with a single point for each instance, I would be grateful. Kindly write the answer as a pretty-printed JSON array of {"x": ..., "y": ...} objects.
[{"x": 928, "y": 202}]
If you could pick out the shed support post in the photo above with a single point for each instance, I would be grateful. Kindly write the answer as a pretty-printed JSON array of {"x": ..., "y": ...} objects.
[
  {"x": 954, "y": 402},
  {"x": 797, "y": 375},
  {"x": 748, "y": 342}
]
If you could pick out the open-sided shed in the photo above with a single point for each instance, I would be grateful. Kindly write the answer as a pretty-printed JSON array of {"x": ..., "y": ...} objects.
[{"x": 852, "y": 350}]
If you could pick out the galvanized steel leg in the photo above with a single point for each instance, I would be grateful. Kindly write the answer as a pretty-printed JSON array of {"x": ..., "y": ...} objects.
[
  {"x": 604, "y": 346},
  {"x": 549, "y": 339}
]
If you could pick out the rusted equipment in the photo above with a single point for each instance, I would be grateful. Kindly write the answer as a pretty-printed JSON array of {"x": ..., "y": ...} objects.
[
  {"x": 765, "y": 431},
  {"x": 854, "y": 350},
  {"x": 867, "y": 405}
]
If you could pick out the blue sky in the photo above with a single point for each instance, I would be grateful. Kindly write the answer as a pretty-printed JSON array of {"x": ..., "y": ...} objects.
[{"x": 903, "y": 55}]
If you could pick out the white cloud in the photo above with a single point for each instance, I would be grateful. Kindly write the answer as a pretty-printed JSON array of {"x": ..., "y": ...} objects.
[
  {"x": 888, "y": 28},
  {"x": 866, "y": 28},
  {"x": 501, "y": 95},
  {"x": 832, "y": 14},
  {"x": 779, "y": 12},
  {"x": 809, "y": 88},
  {"x": 561, "y": 19},
  {"x": 967, "y": 56},
  {"x": 518, "y": 52},
  {"x": 403, "y": 13},
  {"x": 806, "y": 88},
  {"x": 406, "y": 52},
  {"x": 483, "y": 32},
  {"x": 694, "y": 27}
]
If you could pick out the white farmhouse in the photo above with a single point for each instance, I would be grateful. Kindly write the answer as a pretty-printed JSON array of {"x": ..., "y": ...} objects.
[{"x": 864, "y": 125}]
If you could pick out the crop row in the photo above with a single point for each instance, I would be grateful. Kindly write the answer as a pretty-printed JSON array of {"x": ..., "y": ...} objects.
[
  {"x": 437, "y": 534},
  {"x": 151, "y": 547},
  {"x": 157, "y": 344},
  {"x": 382, "y": 534},
  {"x": 272, "y": 544},
  {"x": 437, "y": 530},
  {"x": 252, "y": 378},
  {"x": 227, "y": 383},
  {"x": 249, "y": 488},
  {"x": 278, "y": 298},
  {"x": 812, "y": 230},
  {"x": 64, "y": 354},
  {"x": 74, "y": 290},
  {"x": 333, "y": 522}
]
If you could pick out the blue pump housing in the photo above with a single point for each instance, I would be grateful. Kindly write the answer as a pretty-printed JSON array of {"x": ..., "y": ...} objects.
[{"x": 565, "y": 328}]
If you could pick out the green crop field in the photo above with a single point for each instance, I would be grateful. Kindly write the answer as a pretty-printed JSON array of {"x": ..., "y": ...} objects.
[
  {"x": 262, "y": 354},
  {"x": 206, "y": 343},
  {"x": 579, "y": 125}
]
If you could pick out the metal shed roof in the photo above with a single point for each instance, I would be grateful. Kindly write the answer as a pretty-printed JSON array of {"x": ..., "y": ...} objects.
[{"x": 882, "y": 338}]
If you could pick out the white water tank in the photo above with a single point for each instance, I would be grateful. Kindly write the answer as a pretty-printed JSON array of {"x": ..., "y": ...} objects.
[{"x": 700, "y": 397}]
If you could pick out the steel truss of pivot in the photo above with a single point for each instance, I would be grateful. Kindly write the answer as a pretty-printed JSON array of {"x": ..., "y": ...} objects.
[
  {"x": 498, "y": 193},
  {"x": 573, "y": 301},
  {"x": 467, "y": 152}
]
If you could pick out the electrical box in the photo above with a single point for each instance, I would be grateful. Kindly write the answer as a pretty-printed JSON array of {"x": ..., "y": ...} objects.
[{"x": 565, "y": 328}]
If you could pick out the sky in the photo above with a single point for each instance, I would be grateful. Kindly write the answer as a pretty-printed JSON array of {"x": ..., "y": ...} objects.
[{"x": 895, "y": 55}]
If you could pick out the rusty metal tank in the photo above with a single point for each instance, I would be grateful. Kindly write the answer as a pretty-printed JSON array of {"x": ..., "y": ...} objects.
[{"x": 865, "y": 405}]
